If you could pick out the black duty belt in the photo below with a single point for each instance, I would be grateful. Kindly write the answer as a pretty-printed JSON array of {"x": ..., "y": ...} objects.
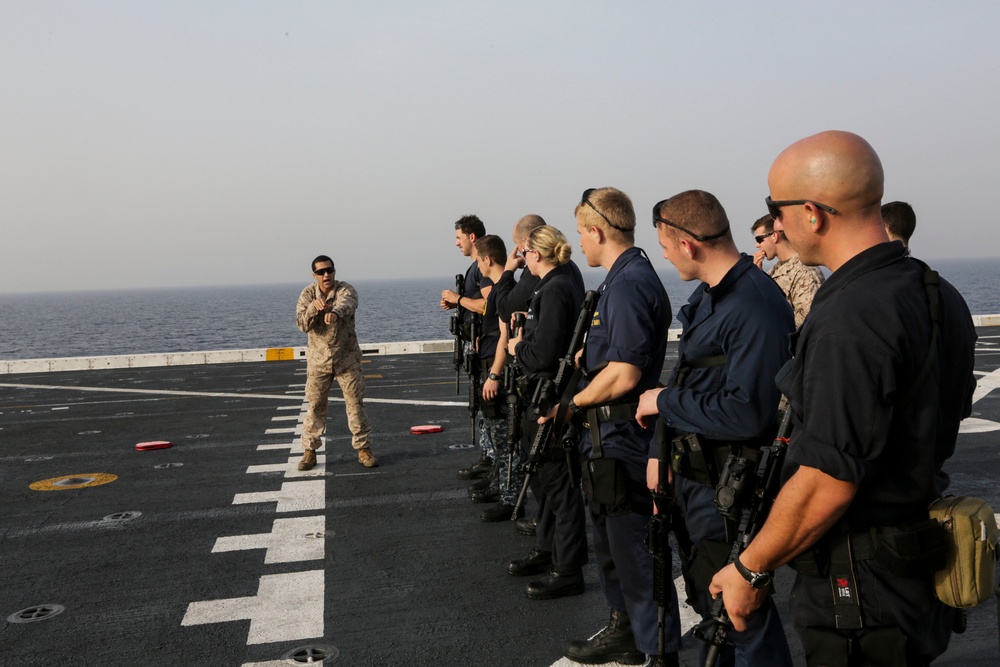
[{"x": 598, "y": 414}]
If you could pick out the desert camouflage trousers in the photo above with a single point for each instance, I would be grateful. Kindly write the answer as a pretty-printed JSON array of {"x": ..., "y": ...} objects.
[{"x": 352, "y": 384}]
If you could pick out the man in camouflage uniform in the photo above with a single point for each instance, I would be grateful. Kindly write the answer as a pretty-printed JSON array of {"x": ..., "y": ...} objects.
[
  {"x": 798, "y": 281},
  {"x": 325, "y": 311}
]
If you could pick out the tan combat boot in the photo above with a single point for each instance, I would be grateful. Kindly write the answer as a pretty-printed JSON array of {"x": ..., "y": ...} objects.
[
  {"x": 308, "y": 461},
  {"x": 366, "y": 459}
]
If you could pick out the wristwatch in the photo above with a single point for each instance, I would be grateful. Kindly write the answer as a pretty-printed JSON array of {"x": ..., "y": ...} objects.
[
  {"x": 755, "y": 579},
  {"x": 573, "y": 407},
  {"x": 493, "y": 376}
]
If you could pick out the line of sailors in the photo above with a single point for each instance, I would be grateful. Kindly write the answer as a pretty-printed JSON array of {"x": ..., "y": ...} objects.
[{"x": 721, "y": 398}]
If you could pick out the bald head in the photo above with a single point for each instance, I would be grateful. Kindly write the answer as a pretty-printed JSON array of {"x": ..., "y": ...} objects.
[
  {"x": 839, "y": 169},
  {"x": 827, "y": 193},
  {"x": 526, "y": 225}
]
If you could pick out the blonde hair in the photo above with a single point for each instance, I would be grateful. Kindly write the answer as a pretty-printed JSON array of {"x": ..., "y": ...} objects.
[
  {"x": 550, "y": 244},
  {"x": 611, "y": 210}
]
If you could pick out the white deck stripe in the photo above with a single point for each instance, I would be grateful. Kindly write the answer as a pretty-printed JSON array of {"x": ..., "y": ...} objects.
[
  {"x": 220, "y": 394},
  {"x": 286, "y": 543},
  {"x": 270, "y": 610}
]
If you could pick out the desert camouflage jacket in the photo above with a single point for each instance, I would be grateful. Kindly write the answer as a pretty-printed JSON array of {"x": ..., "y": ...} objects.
[
  {"x": 334, "y": 346},
  {"x": 799, "y": 283}
]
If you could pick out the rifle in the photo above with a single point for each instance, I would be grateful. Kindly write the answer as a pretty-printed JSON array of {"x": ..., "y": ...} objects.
[
  {"x": 548, "y": 392},
  {"x": 473, "y": 367},
  {"x": 455, "y": 325},
  {"x": 515, "y": 406},
  {"x": 658, "y": 542},
  {"x": 767, "y": 478}
]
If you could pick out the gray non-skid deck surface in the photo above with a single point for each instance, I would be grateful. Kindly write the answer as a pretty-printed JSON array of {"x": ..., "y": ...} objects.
[{"x": 408, "y": 574}]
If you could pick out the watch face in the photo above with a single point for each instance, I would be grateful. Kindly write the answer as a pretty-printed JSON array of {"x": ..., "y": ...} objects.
[{"x": 760, "y": 579}]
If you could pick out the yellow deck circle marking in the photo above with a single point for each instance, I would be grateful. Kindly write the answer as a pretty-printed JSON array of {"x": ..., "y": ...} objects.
[{"x": 70, "y": 482}]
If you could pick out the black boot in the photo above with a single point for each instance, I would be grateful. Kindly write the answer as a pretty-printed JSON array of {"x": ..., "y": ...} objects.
[
  {"x": 537, "y": 562},
  {"x": 499, "y": 512},
  {"x": 481, "y": 468},
  {"x": 525, "y": 526},
  {"x": 481, "y": 484},
  {"x": 556, "y": 585},
  {"x": 614, "y": 643}
]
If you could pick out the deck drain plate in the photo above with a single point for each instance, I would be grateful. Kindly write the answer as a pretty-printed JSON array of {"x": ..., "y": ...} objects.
[
  {"x": 122, "y": 516},
  {"x": 168, "y": 465},
  {"x": 37, "y": 613},
  {"x": 314, "y": 654},
  {"x": 461, "y": 446}
]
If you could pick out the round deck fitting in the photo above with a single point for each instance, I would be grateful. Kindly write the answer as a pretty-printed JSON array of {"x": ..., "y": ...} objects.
[
  {"x": 37, "y": 613},
  {"x": 312, "y": 654}
]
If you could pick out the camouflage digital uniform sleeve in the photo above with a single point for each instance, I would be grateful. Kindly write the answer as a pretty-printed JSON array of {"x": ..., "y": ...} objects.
[{"x": 305, "y": 312}]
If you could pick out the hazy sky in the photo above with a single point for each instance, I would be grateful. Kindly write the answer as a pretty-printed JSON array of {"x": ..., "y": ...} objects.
[{"x": 201, "y": 143}]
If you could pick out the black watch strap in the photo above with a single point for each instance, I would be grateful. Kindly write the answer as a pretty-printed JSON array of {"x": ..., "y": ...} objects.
[{"x": 755, "y": 579}]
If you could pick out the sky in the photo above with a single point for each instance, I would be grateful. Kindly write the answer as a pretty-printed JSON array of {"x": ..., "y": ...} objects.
[{"x": 182, "y": 143}]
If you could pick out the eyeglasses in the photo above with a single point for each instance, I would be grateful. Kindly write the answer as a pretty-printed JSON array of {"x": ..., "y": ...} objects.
[
  {"x": 324, "y": 271},
  {"x": 525, "y": 252},
  {"x": 586, "y": 200},
  {"x": 760, "y": 237},
  {"x": 774, "y": 207},
  {"x": 697, "y": 237}
]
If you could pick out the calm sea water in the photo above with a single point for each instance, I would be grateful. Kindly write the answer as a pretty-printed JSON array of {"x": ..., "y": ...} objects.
[{"x": 75, "y": 324}]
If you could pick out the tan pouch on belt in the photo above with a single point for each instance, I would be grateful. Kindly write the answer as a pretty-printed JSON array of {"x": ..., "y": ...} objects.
[{"x": 968, "y": 578}]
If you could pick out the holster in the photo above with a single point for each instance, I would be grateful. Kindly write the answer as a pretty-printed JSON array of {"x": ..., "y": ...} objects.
[
  {"x": 698, "y": 458},
  {"x": 604, "y": 484}
]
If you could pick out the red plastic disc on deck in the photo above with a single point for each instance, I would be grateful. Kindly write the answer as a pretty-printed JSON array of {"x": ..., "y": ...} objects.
[
  {"x": 156, "y": 444},
  {"x": 426, "y": 428}
]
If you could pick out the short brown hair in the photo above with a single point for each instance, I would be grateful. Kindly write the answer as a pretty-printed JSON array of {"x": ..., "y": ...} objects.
[
  {"x": 765, "y": 221},
  {"x": 491, "y": 246},
  {"x": 698, "y": 212}
]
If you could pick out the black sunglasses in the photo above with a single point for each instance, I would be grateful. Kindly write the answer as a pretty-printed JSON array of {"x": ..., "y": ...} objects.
[
  {"x": 697, "y": 237},
  {"x": 586, "y": 200},
  {"x": 324, "y": 271},
  {"x": 760, "y": 237},
  {"x": 774, "y": 207}
]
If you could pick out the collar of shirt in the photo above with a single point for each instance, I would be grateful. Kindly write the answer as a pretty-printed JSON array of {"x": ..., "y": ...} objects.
[
  {"x": 864, "y": 262},
  {"x": 702, "y": 302}
]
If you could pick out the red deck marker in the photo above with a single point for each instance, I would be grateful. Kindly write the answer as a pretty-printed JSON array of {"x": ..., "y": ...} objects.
[
  {"x": 155, "y": 444},
  {"x": 426, "y": 428}
]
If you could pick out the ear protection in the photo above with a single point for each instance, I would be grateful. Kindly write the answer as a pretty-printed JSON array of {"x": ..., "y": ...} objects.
[{"x": 813, "y": 220}]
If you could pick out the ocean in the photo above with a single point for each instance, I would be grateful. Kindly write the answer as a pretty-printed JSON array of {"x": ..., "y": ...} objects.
[{"x": 91, "y": 323}]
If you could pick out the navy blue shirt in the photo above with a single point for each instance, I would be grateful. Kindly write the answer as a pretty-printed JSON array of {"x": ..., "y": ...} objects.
[
  {"x": 862, "y": 347},
  {"x": 630, "y": 325},
  {"x": 474, "y": 283},
  {"x": 746, "y": 318},
  {"x": 490, "y": 333}
]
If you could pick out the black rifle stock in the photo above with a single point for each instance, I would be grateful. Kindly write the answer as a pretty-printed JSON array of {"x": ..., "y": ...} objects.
[
  {"x": 458, "y": 354},
  {"x": 715, "y": 630},
  {"x": 555, "y": 391},
  {"x": 658, "y": 541}
]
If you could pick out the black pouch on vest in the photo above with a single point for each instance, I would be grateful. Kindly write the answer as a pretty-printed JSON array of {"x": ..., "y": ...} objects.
[
  {"x": 689, "y": 459},
  {"x": 916, "y": 550},
  {"x": 603, "y": 482},
  {"x": 491, "y": 409}
]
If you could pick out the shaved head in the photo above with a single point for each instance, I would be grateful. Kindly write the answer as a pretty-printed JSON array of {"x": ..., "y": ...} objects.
[
  {"x": 827, "y": 190},
  {"x": 839, "y": 169}
]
